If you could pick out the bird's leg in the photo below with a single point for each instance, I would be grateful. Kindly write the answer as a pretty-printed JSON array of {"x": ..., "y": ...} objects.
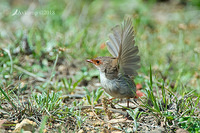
[{"x": 128, "y": 99}]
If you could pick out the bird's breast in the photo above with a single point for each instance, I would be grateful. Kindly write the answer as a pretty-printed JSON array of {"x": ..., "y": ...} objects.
[
  {"x": 120, "y": 87},
  {"x": 106, "y": 83}
]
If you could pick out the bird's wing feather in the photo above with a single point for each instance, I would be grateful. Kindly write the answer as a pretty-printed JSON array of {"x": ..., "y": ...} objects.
[
  {"x": 121, "y": 44},
  {"x": 114, "y": 41}
]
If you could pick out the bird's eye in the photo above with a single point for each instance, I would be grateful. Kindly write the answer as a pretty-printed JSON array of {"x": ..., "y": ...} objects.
[{"x": 97, "y": 62}]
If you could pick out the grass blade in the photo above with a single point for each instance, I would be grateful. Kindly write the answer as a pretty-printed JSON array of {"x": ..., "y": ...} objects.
[{"x": 7, "y": 97}]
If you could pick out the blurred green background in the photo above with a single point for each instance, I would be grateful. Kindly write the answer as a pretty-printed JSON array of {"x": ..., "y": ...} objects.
[
  {"x": 44, "y": 45},
  {"x": 167, "y": 34}
]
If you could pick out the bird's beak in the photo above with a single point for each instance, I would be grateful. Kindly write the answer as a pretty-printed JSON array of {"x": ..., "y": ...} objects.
[{"x": 89, "y": 60}]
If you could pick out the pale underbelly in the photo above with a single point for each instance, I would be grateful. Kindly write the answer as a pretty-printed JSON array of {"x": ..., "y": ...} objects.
[{"x": 123, "y": 87}]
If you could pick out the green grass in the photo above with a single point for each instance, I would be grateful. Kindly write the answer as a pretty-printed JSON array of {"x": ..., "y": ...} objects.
[{"x": 44, "y": 75}]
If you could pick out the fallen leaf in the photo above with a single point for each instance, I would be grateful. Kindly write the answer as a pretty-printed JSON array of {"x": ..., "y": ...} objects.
[
  {"x": 158, "y": 130},
  {"x": 180, "y": 130},
  {"x": 182, "y": 26},
  {"x": 26, "y": 125},
  {"x": 138, "y": 86},
  {"x": 102, "y": 46},
  {"x": 139, "y": 94}
]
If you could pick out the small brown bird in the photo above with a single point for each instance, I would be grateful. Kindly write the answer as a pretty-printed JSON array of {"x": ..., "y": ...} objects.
[{"x": 116, "y": 72}]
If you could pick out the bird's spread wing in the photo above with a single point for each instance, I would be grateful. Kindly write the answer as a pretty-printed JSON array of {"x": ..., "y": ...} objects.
[
  {"x": 114, "y": 41},
  {"x": 121, "y": 44}
]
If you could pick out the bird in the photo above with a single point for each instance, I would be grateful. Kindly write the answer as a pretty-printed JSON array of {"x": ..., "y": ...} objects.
[{"x": 116, "y": 72}]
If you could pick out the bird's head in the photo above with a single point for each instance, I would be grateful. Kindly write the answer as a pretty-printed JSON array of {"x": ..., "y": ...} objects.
[{"x": 103, "y": 63}]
